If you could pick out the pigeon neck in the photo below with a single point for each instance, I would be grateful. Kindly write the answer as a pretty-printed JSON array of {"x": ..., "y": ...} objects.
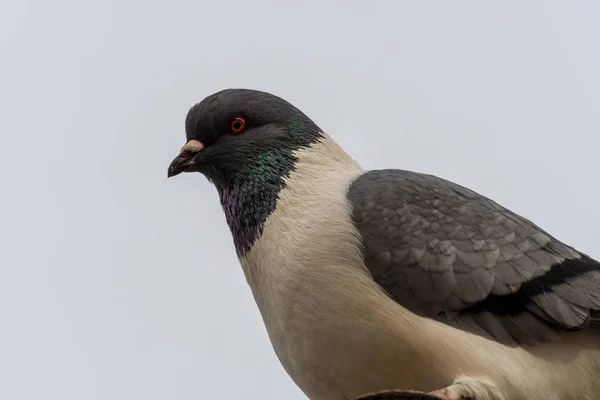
[
  {"x": 250, "y": 194},
  {"x": 248, "y": 202}
]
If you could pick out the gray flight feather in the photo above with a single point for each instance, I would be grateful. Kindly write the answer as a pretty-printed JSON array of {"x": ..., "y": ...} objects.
[{"x": 445, "y": 252}]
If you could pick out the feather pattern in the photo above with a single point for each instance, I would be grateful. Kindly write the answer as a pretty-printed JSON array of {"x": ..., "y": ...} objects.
[{"x": 448, "y": 253}]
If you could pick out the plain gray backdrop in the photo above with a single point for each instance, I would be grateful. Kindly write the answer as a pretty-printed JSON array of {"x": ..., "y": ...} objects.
[{"x": 117, "y": 283}]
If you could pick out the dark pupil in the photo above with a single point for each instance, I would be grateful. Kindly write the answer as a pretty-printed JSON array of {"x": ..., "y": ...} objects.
[{"x": 237, "y": 125}]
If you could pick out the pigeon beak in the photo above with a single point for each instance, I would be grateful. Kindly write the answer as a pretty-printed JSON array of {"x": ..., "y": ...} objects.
[{"x": 185, "y": 159}]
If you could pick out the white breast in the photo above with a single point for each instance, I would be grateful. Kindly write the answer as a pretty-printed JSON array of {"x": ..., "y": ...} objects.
[
  {"x": 339, "y": 335},
  {"x": 308, "y": 252}
]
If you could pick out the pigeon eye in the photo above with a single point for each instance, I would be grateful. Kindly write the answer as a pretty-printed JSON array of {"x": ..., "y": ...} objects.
[{"x": 237, "y": 125}]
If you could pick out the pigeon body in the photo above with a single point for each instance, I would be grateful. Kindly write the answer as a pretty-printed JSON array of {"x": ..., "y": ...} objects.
[{"x": 379, "y": 280}]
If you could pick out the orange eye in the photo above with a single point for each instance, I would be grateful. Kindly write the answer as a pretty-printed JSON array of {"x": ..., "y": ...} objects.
[{"x": 237, "y": 125}]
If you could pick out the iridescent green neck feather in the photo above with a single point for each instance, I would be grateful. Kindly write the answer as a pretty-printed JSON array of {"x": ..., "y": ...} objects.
[{"x": 251, "y": 192}]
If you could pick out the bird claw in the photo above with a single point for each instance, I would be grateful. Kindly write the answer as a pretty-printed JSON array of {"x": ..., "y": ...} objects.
[
  {"x": 448, "y": 394},
  {"x": 443, "y": 394},
  {"x": 464, "y": 388}
]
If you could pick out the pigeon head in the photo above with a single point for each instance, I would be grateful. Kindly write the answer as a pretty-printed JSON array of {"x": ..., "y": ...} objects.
[
  {"x": 237, "y": 132},
  {"x": 244, "y": 141}
]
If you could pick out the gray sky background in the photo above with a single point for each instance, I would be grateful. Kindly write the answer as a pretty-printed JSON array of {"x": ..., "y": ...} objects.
[{"x": 118, "y": 284}]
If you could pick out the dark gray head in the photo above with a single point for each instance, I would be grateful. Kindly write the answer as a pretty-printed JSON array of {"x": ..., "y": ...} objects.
[
  {"x": 244, "y": 141},
  {"x": 233, "y": 131}
]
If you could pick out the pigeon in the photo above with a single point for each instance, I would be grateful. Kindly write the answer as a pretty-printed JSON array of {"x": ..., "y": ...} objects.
[{"x": 375, "y": 280}]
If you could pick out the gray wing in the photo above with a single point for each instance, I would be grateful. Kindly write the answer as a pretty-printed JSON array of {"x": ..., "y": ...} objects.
[{"x": 448, "y": 253}]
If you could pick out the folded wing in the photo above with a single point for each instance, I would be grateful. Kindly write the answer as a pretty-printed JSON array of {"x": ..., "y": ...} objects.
[{"x": 448, "y": 253}]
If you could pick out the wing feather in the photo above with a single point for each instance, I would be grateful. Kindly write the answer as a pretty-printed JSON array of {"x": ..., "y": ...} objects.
[{"x": 448, "y": 253}]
